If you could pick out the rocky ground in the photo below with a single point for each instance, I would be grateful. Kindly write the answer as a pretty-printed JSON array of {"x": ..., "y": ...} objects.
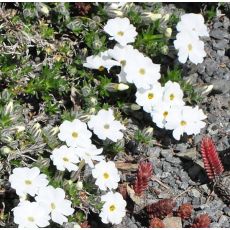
[{"x": 177, "y": 165}]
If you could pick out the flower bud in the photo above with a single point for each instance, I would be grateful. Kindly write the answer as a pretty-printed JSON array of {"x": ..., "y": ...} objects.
[
  {"x": 9, "y": 107},
  {"x": 152, "y": 16},
  {"x": 76, "y": 225},
  {"x": 20, "y": 128},
  {"x": 54, "y": 130},
  {"x": 168, "y": 32},
  {"x": 166, "y": 17},
  {"x": 5, "y": 150},
  {"x": 114, "y": 87},
  {"x": 122, "y": 87},
  {"x": 93, "y": 100},
  {"x": 148, "y": 131},
  {"x": 92, "y": 110},
  {"x": 43, "y": 8},
  {"x": 79, "y": 185},
  {"x": 164, "y": 50}
]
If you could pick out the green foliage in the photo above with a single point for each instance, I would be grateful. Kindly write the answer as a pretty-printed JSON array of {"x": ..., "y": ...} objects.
[
  {"x": 210, "y": 13},
  {"x": 141, "y": 137}
]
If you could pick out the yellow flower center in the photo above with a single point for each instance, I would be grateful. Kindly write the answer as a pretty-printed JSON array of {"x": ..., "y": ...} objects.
[
  {"x": 28, "y": 182},
  {"x": 65, "y": 159},
  {"x": 142, "y": 71},
  {"x": 30, "y": 219},
  {"x": 150, "y": 96},
  {"x": 171, "y": 97},
  {"x": 183, "y": 123},
  {"x": 101, "y": 68},
  {"x": 74, "y": 135},
  {"x": 53, "y": 206},
  {"x": 120, "y": 33},
  {"x": 123, "y": 62},
  {"x": 106, "y": 126},
  {"x": 112, "y": 208},
  {"x": 165, "y": 114},
  {"x": 106, "y": 175},
  {"x": 189, "y": 47}
]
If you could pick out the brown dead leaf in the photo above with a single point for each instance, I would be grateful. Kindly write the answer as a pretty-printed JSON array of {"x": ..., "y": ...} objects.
[
  {"x": 126, "y": 166},
  {"x": 136, "y": 199}
]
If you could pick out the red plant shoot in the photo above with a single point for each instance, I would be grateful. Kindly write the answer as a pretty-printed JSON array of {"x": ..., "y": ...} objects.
[
  {"x": 212, "y": 163},
  {"x": 144, "y": 173}
]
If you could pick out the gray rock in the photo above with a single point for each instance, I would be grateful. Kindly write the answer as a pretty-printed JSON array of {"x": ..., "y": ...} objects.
[
  {"x": 154, "y": 152},
  {"x": 214, "y": 225},
  {"x": 222, "y": 220},
  {"x": 201, "y": 68},
  {"x": 215, "y": 215},
  {"x": 221, "y": 85},
  {"x": 221, "y": 53},
  {"x": 196, "y": 201},
  {"x": 173, "y": 160},
  {"x": 211, "y": 66},
  {"x": 194, "y": 171},
  {"x": 217, "y": 25},
  {"x": 226, "y": 23},
  {"x": 227, "y": 211},
  {"x": 167, "y": 167},
  {"x": 166, "y": 153},
  {"x": 219, "y": 34},
  {"x": 195, "y": 193},
  {"x": 184, "y": 186},
  {"x": 220, "y": 45}
]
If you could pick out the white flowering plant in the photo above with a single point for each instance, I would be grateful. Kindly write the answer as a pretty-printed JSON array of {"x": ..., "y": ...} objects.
[{"x": 66, "y": 147}]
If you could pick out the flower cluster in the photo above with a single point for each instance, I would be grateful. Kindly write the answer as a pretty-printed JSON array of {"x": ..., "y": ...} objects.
[
  {"x": 78, "y": 140},
  {"x": 190, "y": 28},
  {"x": 79, "y": 147},
  {"x": 135, "y": 66},
  {"x": 49, "y": 202},
  {"x": 107, "y": 177},
  {"x": 165, "y": 104}
]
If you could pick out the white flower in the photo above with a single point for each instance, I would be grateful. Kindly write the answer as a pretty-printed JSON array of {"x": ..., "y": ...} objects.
[
  {"x": 53, "y": 200},
  {"x": 122, "y": 54},
  {"x": 148, "y": 98},
  {"x": 65, "y": 158},
  {"x": 106, "y": 175},
  {"x": 186, "y": 120},
  {"x": 160, "y": 113},
  {"x": 31, "y": 215},
  {"x": 142, "y": 71},
  {"x": 189, "y": 46},
  {"x": 105, "y": 126},
  {"x": 172, "y": 94},
  {"x": 121, "y": 30},
  {"x": 75, "y": 133},
  {"x": 113, "y": 209},
  {"x": 192, "y": 23},
  {"x": 27, "y": 181},
  {"x": 100, "y": 62},
  {"x": 90, "y": 153},
  {"x": 198, "y": 116}
]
